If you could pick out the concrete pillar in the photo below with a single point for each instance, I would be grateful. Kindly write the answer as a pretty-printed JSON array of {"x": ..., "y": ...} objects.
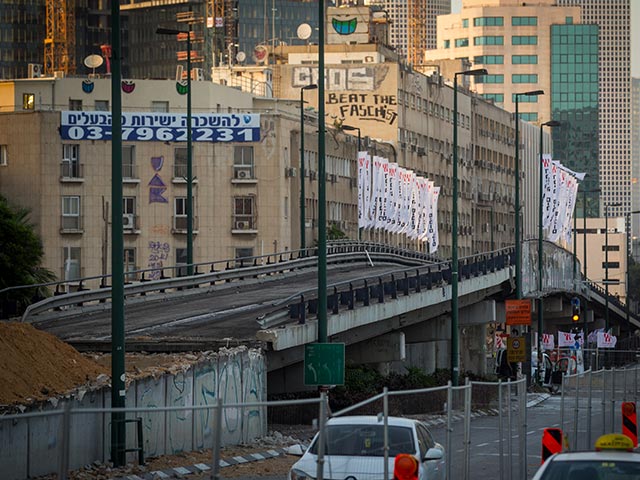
[{"x": 473, "y": 349}]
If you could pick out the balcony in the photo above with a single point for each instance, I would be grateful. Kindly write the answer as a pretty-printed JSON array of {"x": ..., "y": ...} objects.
[
  {"x": 71, "y": 224},
  {"x": 71, "y": 172}
]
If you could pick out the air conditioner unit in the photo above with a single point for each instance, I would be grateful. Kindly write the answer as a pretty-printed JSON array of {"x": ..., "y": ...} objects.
[
  {"x": 290, "y": 172},
  {"x": 35, "y": 70},
  {"x": 353, "y": 182},
  {"x": 368, "y": 59},
  {"x": 128, "y": 221},
  {"x": 333, "y": 178},
  {"x": 421, "y": 151},
  {"x": 313, "y": 174},
  {"x": 241, "y": 225},
  {"x": 59, "y": 74},
  {"x": 243, "y": 173}
]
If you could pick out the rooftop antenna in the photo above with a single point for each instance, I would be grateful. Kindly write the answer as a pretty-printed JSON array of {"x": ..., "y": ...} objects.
[{"x": 93, "y": 62}]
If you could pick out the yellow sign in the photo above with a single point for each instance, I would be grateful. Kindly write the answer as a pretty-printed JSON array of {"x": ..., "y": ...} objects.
[
  {"x": 518, "y": 312},
  {"x": 516, "y": 349},
  {"x": 614, "y": 441}
]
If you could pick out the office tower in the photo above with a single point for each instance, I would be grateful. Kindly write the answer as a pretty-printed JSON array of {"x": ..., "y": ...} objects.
[
  {"x": 413, "y": 25},
  {"x": 635, "y": 162},
  {"x": 21, "y": 38}
]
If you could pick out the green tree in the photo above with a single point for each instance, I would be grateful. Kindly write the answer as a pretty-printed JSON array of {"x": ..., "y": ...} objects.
[{"x": 21, "y": 255}]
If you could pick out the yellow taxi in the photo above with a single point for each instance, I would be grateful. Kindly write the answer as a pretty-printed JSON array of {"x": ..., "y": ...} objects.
[{"x": 613, "y": 459}]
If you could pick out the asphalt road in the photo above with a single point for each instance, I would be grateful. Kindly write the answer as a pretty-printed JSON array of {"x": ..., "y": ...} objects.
[{"x": 230, "y": 311}]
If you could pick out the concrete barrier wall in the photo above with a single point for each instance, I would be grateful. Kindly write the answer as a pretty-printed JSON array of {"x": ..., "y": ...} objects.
[{"x": 32, "y": 447}]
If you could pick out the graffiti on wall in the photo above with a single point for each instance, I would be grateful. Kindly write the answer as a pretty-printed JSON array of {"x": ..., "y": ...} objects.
[
  {"x": 157, "y": 187},
  {"x": 365, "y": 106},
  {"x": 158, "y": 253},
  {"x": 342, "y": 78}
]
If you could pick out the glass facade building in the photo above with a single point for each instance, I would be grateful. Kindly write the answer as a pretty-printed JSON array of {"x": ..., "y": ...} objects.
[
  {"x": 22, "y": 32},
  {"x": 574, "y": 103}
]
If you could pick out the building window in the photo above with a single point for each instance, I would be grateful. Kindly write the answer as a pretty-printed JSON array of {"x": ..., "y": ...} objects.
[
  {"x": 524, "y": 98},
  {"x": 71, "y": 161},
  {"x": 242, "y": 254},
  {"x": 495, "y": 97},
  {"x": 462, "y": 42},
  {"x": 180, "y": 213},
  {"x": 130, "y": 263},
  {"x": 71, "y": 213},
  {"x": 568, "y": 20},
  {"x": 488, "y": 22},
  {"x": 524, "y": 59},
  {"x": 489, "y": 40},
  {"x": 71, "y": 263},
  {"x": 243, "y": 208},
  {"x": 75, "y": 104},
  {"x": 160, "y": 106},
  {"x": 465, "y": 23},
  {"x": 447, "y": 44},
  {"x": 28, "y": 101},
  {"x": 490, "y": 79},
  {"x": 4, "y": 155},
  {"x": 524, "y": 40},
  {"x": 243, "y": 162},
  {"x": 129, "y": 213},
  {"x": 610, "y": 265},
  {"x": 524, "y": 21},
  {"x": 489, "y": 59},
  {"x": 524, "y": 78},
  {"x": 528, "y": 117},
  {"x": 611, "y": 248},
  {"x": 180, "y": 163},
  {"x": 102, "y": 105},
  {"x": 181, "y": 262},
  {"x": 128, "y": 161}
]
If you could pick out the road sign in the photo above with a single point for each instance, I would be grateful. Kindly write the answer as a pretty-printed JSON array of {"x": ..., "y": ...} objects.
[
  {"x": 516, "y": 349},
  {"x": 518, "y": 312},
  {"x": 575, "y": 302},
  {"x": 324, "y": 364}
]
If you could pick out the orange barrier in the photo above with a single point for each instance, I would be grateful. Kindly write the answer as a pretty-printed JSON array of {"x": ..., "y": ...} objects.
[
  {"x": 552, "y": 441},
  {"x": 630, "y": 422}
]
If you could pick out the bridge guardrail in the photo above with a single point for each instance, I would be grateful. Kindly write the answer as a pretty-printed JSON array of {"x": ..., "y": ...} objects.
[{"x": 84, "y": 297}]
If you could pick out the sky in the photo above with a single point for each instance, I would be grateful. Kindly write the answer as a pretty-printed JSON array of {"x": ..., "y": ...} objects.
[{"x": 635, "y": 33}]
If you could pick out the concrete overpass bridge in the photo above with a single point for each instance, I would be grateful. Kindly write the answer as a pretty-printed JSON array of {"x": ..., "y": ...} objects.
[{"x": 386, "y": 304}]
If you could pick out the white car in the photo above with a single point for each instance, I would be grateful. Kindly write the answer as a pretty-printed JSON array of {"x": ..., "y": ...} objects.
[
  {"x": 612, "y": 460},
  {"x": 354, "y": 450}
]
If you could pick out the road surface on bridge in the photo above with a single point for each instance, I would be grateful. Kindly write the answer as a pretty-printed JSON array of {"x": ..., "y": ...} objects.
[{"x": 229, "y": 311}]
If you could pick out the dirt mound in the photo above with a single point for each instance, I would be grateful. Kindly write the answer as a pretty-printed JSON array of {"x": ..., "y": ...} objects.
[{"x": 35, "y": 365}]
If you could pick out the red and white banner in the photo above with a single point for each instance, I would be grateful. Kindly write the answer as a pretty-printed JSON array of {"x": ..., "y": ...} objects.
[
  {"x": 548, "y": 341},
  {"x": 566, "y": 339},
  {"x": 606, "y": 340}
]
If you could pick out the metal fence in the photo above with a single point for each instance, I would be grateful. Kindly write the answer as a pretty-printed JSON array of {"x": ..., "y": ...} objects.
[
  {"x": 447, "y": 410},
  {"x": 591, "y": 403}
]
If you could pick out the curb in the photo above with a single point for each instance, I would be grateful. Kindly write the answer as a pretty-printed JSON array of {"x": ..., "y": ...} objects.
[{"x": 180, "y": 472}]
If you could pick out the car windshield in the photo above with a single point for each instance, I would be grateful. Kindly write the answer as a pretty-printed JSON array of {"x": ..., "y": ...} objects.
[
  {"x": 366, "y": 441},
  {"x": 592, "y": 470}
]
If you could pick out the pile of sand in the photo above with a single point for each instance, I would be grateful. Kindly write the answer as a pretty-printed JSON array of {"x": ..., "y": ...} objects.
[{"x": 35, "y": 365}]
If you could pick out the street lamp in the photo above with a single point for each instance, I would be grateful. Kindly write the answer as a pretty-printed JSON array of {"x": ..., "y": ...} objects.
[
  {"x": 349, "y": 128},
  {"x": 454, "y": 229},
  {"x": 303, "y": 243},
  {"x": 532, "y": 93},
  {"x": 173, "y": 31},
  {"x": 627, "y": 226},
  {"x": 606, "y": 261},
  {"x": 550, "y": 123}
]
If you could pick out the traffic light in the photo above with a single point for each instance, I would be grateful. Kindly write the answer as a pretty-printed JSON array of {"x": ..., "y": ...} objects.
[
  {"x": 576, "y": 313},
  {"x": 405, "y": 467}
]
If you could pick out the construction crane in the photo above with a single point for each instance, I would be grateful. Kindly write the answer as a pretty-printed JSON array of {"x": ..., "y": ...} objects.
[
  {"x": 60, "y": 41},
  {"x": 417, "y": 31}
]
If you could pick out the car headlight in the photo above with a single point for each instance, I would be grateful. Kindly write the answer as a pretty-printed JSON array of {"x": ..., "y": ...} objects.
[{"x": 296, "y": 474}]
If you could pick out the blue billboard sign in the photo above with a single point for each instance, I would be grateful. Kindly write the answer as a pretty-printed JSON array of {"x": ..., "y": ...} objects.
[{"x": 162, "y": 127}]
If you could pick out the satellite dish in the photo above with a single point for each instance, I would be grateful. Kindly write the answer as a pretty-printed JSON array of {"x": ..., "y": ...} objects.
[
  {"x": 93, "y": 61},
  {"x": 241, "y": 57},
  {"x": 304, "y": 31},
  {"x": 261, "y": 54}
]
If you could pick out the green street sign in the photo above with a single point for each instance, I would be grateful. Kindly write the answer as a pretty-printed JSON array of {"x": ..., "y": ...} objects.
[{"x": 324, "y": 364}]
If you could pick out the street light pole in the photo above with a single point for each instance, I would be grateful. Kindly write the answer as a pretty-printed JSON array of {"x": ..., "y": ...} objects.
[
  {"x": 517, "y": 202},
  {"x": 303, "y": 242},
  {"x": 173, "y": 31},
  {"x": 550, "y": 123},
  {"x": 454, "y": 229},
  {"x": 322, "y": 187},
  {"x": 627, "y": 227},
  {"x": 350, "y": 129},
  {"x": 606, "y": 261}
]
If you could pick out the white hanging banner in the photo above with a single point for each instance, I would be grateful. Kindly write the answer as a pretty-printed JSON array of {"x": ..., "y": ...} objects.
[
  {"x": 381, "y": 220},
  {"x": 366, "y": 181},
  {"x": 376, "y": 193},
  {"x": 555, "y": 227},
  {"x": 606, "y": 340},
  {"x": 551, "y": 203},
  {"x": 392, "y": 197},
  {"x": 427, "y": 234},
  {"x": 362, "y": 188},
  {"x": 433, "y": 221},
  {"x": 578, "y": 176},
  {"x": 572, "y": 193},
  {"x": 548, "y": 342},
  {"x": 566, "y": 339}
]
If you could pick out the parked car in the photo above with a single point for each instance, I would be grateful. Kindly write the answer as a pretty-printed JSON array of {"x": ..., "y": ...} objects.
[
  {"x": 354, "y": 449},
  {"x": 613, "y": 459}
]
